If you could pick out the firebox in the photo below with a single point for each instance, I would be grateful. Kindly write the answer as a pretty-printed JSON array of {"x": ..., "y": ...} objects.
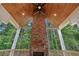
[{"x": 38, "y": 53}]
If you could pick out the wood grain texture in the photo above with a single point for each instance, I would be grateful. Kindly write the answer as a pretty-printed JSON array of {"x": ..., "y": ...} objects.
[
  {"x": 16, "y": 11},
  {"x": 62, "y": 11}
]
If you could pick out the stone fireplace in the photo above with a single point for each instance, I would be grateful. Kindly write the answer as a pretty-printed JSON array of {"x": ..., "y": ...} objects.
[{"x": 39, "y": 43}]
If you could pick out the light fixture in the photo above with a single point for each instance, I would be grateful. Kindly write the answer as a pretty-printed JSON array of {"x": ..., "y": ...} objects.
[
  {"x": 39, "y": 7},
  {"x": 23, "y": 14},
  {"x": 55, "y": 14}
]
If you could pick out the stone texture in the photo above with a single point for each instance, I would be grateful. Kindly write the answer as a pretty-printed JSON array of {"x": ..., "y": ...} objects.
[{"x": 39, "y": 42}]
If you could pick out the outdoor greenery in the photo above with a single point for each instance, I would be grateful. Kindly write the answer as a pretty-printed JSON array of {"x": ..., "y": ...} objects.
[
  {"x": 70, "y": 35},
  {"x": 24, "y": 39},
  {"x": 7, "y": 32},
  {"x": 54, "y": 41},
  {"x": 53, "y": 38}
]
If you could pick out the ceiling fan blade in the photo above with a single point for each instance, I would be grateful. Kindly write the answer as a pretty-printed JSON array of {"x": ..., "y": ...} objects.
[
  {"x": 38, "y": 4},
  {"x": 35, "y": 10},
  {"x": 38, "y": 7}
]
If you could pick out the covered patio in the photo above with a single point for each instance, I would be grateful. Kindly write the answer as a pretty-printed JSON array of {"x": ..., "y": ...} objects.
[{"x": 39, "y": 29}]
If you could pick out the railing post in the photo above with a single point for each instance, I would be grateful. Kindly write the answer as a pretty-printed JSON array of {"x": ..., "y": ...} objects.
[
  {"x": 61, "y": 41},
  {"x": 14, "y": 42}
]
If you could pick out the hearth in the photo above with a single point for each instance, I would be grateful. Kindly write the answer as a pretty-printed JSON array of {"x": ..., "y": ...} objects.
[{"x": 38, "y": 53}]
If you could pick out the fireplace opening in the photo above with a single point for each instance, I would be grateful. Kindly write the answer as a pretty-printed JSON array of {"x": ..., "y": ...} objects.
[{"x": 38, "y": 53}]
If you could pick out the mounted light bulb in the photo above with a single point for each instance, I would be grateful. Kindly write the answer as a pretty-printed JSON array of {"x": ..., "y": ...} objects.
[
  {"x": 55, "y": 14},
  {"x": 23, "y": 14},
  {"x": 39, "y": 7}
]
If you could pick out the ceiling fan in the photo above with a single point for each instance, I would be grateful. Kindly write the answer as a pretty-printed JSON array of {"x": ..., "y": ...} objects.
[{"x": 39, "y": 7}]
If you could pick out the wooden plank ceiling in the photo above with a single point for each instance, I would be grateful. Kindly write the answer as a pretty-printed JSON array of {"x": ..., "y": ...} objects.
[{"x": 56, "y": 13}]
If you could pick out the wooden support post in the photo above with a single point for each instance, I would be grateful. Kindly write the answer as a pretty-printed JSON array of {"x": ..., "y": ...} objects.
[
  {"x": 61, "y": 41},
  {"x": 14, "y": 42}
]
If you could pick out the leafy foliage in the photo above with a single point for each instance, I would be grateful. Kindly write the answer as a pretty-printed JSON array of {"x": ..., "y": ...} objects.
[
  {"x": 53, "y": 38},
  {"x": 6, "y": 36},
  {"x": 24, "y": 39},
  {"x": 71, "y": 37}
]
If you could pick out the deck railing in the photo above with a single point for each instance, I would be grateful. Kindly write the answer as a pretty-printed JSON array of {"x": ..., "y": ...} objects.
[{"x": 25, "y": 52}]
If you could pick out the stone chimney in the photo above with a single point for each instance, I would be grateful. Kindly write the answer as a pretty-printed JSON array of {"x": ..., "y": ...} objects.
[{"x": 39, "y": 43}]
